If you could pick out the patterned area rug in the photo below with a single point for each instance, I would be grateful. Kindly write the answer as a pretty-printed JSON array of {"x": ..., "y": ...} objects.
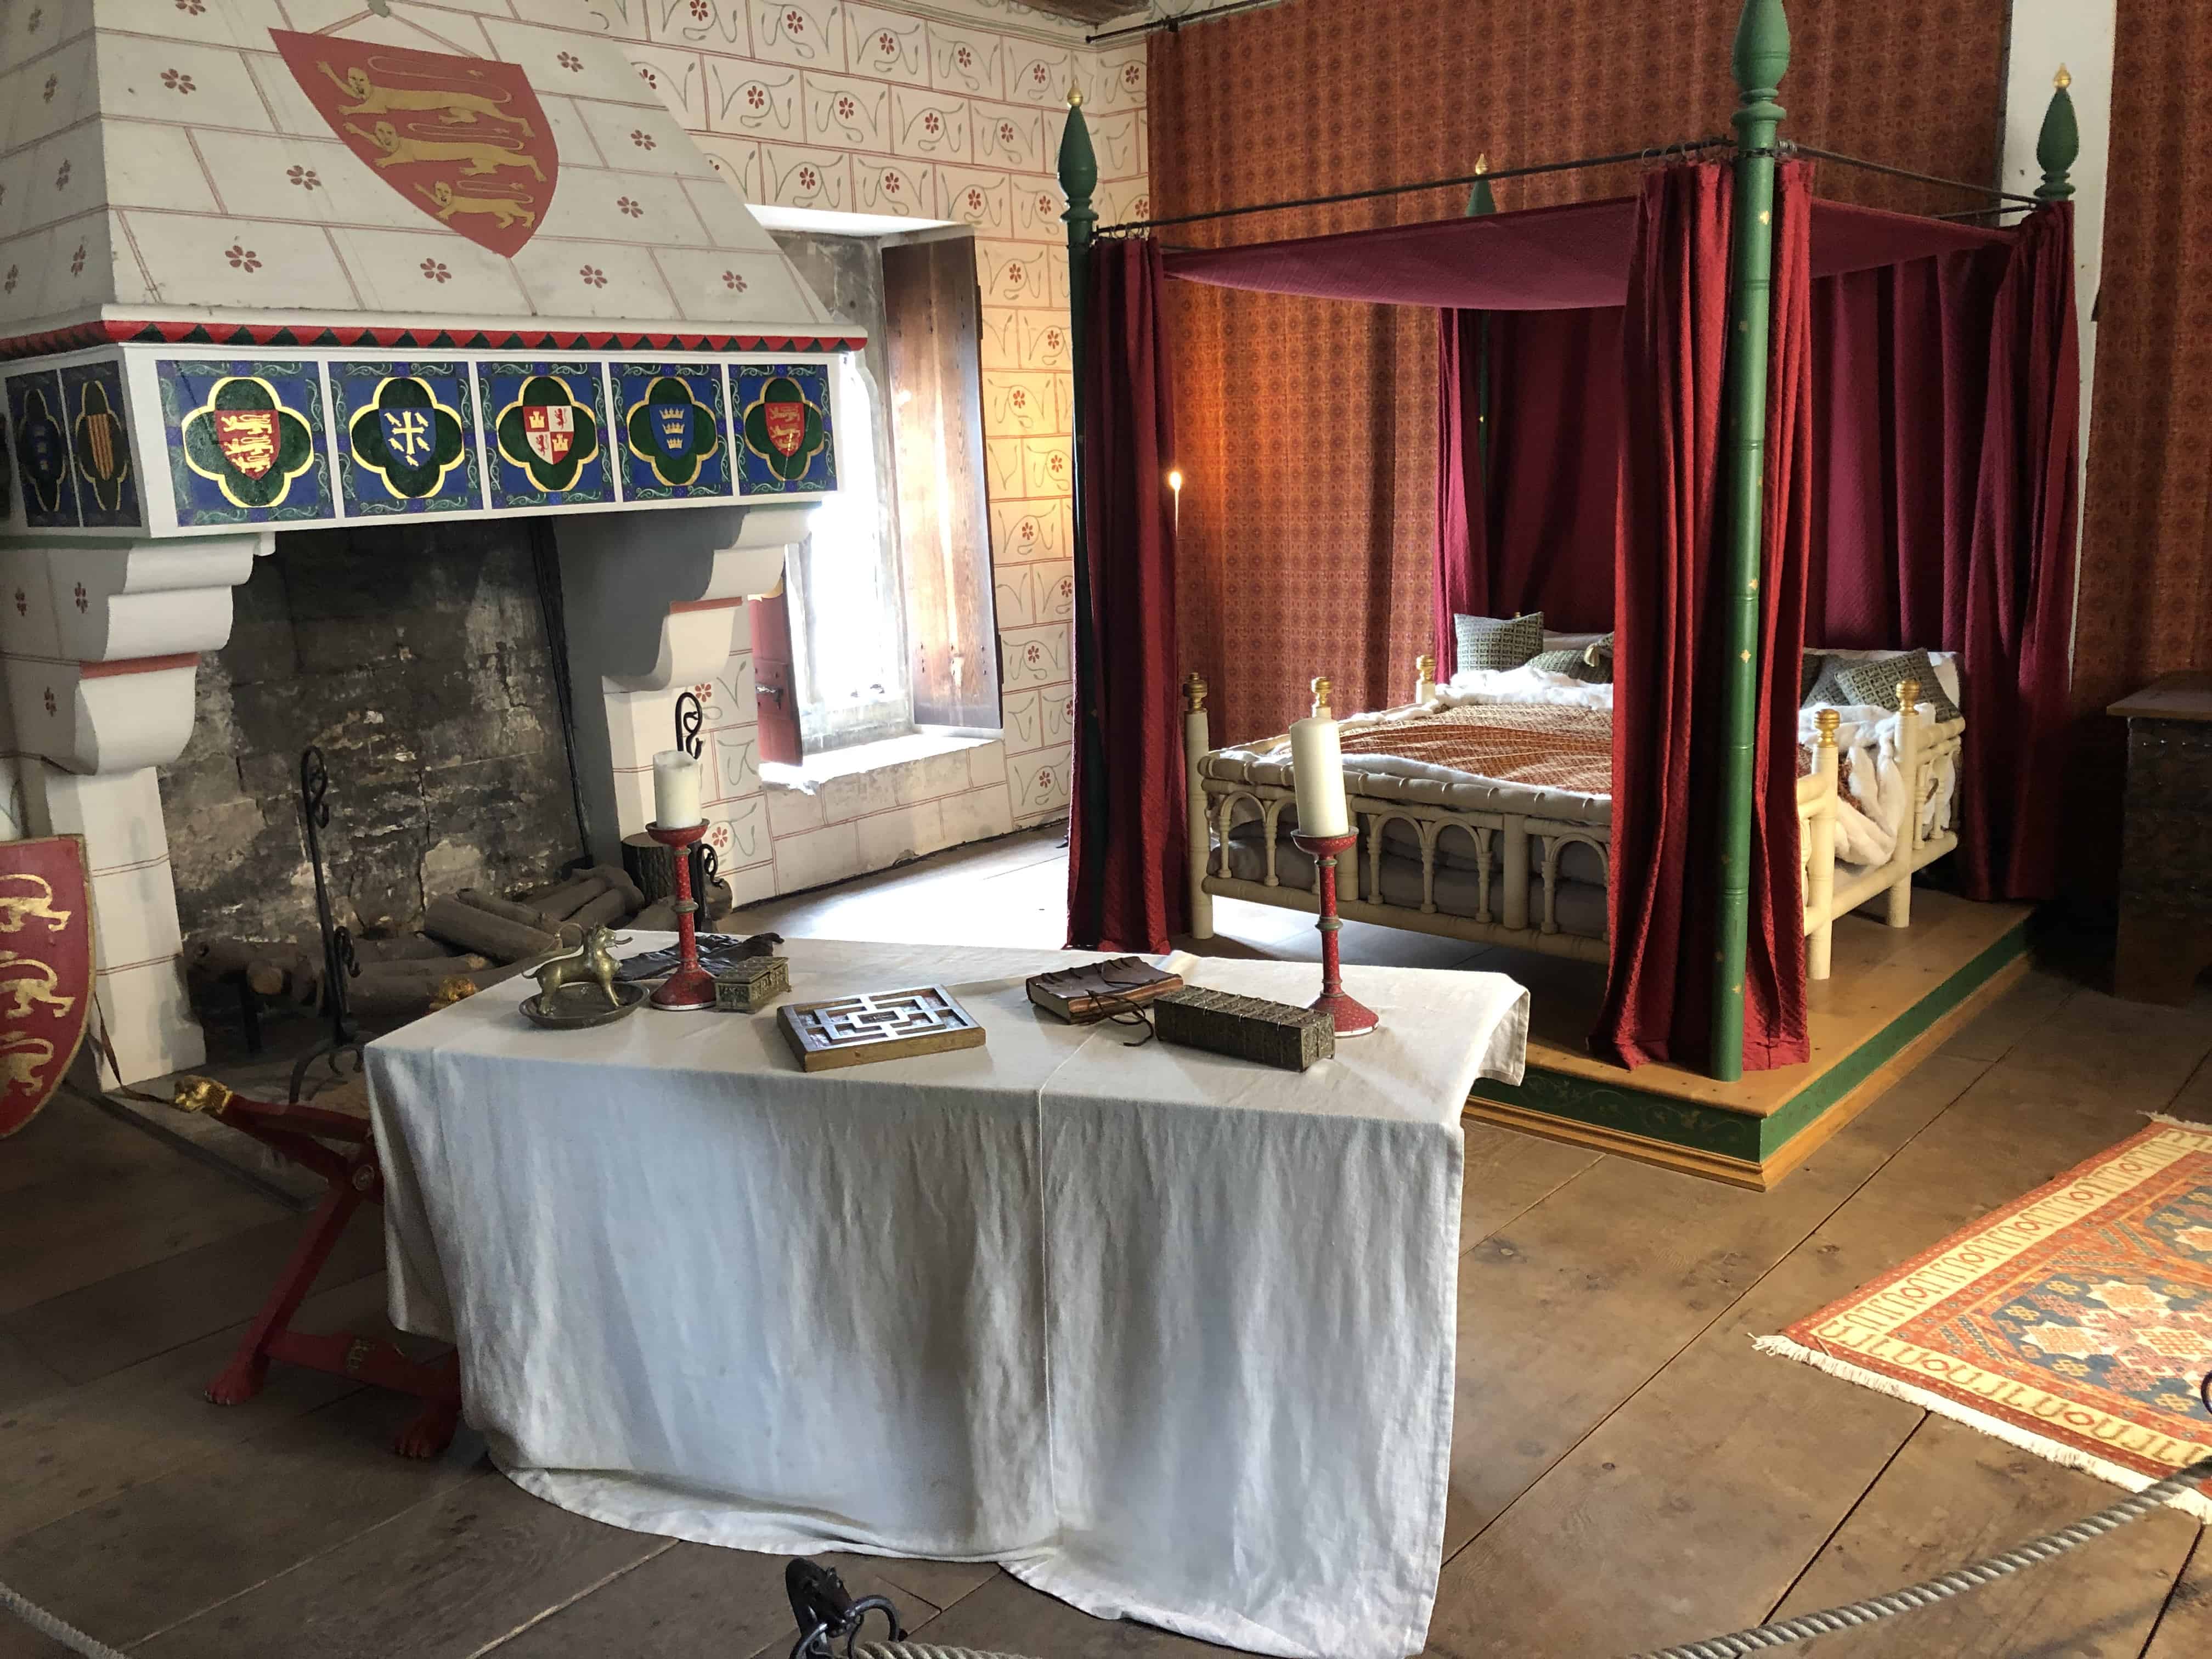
[{"x": 2075, "y": 1322}]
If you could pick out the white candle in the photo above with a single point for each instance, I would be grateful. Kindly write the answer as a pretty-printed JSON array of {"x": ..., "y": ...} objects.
[
  {"x": 675, "y": 790},
  {"x": 1317, "y": 769}
]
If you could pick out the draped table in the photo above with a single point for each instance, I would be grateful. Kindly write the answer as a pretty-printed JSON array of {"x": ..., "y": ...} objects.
[{"x": 1170, "y": 1335}]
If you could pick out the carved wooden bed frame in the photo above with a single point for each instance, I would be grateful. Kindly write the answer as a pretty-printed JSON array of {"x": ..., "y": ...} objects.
[{"x": 1510, "y": 846}]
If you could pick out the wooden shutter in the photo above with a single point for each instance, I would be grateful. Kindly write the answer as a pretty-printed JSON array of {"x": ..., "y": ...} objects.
[
  {"x": 933, "y": 341},
  {"x": 772, "y": 688}
]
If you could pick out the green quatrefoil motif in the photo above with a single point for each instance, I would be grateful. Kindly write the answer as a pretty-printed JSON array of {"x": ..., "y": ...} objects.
[
  {"x": 408, "y": 438},
  {"x": 672, "y": 431},
  {"x": 778, "y": 432}
]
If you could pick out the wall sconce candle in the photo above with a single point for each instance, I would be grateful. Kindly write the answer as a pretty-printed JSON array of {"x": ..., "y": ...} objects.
[{"x": 1174, "y": 483}]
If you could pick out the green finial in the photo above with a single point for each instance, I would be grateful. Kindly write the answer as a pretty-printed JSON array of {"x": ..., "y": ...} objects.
[
  {"x": 1078, "y": 166},
  {"x": 1480, "y": 200},
  {"x": 1761, "y": 58},
  {"x": 2059, "y": 141}
]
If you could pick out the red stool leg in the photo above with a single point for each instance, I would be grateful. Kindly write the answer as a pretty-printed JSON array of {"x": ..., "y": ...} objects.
[{"x": 242, "y": 1378}]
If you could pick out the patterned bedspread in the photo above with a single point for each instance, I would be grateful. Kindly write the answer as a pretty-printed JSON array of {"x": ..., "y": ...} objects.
[{"x": 1543, "y": 745}]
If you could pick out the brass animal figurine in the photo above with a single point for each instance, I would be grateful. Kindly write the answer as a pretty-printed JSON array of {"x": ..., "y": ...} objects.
[
  {"x": 593, "y": 960},
  {"x": 453, "y": 108},
  {"x": 508, "y": 212},
  {"x": 480, "y": 156}
]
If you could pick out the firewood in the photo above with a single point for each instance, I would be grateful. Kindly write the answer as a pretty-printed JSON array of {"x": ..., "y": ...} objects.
[
  {"x": 657, "y": 917},
  {"x": 569, "y": 897},
  {"x": 604, "y": 911},
  {"x": 401, "y": 990},
  {"x": 619, "y": 879},
  {"x": 219, "y": 959},
  {"x": 479, "y": 931},
  {"x": 412, "y": 947},
  {"x": 720, "y": 901},
  {"x": 281, "y": 973},
  {"x": 526, "y": 915}
]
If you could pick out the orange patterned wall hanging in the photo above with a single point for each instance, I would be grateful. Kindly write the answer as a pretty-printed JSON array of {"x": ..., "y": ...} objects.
[{"x": 464, "y": 139}]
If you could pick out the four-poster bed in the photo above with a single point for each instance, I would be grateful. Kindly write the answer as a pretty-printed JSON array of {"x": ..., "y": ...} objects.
[
  {"x": 1701, "y": 301},
  {"x": 1498, "y": 859}
]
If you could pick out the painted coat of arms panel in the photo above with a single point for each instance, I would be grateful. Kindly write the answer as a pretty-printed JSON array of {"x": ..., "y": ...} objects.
[
  {"x": 672, "y": 430},
  {"x": 246, "y": 442},
  {"x": 38, "y": 422},
  {"x": 464, "y": 139},
  {"x": 785, "y": 443},
  {"x": 93, "y": 401},
  {"x": 45, "y": 970},
  {"x": 406, "y": 435},
  {"x": 545, "y": 434}
]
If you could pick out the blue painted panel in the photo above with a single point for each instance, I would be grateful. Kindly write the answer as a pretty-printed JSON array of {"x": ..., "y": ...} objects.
[
  {"x": 670, "y": 428},
  {"x": 545, "y": 434},
  {"x": 246, "y": 442},
  {"x": 406, "y": 437},
  {"x": 99, "y": 446},
  {"x": 785, "y": 443},
  {"x": 40, "y": 418}
]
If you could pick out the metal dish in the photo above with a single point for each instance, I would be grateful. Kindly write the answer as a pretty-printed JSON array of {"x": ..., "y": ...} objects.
[{"x": 576, "y": 1007}]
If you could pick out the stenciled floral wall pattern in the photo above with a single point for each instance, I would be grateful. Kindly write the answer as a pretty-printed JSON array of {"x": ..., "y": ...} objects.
[{"x": 952, "y": 114}]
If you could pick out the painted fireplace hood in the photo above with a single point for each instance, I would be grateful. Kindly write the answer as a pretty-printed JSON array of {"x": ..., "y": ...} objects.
[{"x": 420, "y": 261}]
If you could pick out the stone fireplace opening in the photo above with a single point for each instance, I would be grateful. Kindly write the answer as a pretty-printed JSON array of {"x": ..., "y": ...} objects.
[{"x": 418, "y": 659}]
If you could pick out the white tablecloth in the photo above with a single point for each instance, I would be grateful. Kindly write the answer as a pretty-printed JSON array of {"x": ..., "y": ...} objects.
[{"x": 1170, "y": 1335}]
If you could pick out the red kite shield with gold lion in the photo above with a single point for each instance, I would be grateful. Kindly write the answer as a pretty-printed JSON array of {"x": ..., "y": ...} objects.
[
  {"x": 45, "y": 970},
  {"x": 465, "y": 139}
]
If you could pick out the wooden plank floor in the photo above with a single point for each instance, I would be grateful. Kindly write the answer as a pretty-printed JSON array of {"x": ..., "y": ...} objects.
[{"x": 1628, "y": 1472}]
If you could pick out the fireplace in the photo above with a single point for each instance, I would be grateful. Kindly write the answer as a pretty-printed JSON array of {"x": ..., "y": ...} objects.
[{"x": 354, "y": 312}]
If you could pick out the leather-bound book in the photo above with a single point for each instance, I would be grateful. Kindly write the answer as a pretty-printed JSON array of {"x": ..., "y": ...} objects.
[{"x": 1098, "y": 990}]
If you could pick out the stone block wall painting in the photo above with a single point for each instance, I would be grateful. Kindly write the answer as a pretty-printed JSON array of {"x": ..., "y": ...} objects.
[
  {"x": 406, "y": 437},
  {"x": 545, "y": 434},
  {"x": 39, "y": 416},
  {"x": 99, "y": 446},
  {"x": 784, "y": 440},
  {"x": 672, "y": 430},
  {"x": 245, "y": 441}
]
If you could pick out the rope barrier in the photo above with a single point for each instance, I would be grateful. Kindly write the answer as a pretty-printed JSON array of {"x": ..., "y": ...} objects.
[{"x": 841, "y": 1617}]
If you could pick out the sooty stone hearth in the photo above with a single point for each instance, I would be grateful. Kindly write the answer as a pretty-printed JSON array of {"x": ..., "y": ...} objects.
[{"x": 418, "y": 659}]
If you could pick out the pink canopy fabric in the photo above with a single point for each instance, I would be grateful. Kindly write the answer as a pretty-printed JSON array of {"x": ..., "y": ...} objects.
[{"x": 1572, "y": 257}]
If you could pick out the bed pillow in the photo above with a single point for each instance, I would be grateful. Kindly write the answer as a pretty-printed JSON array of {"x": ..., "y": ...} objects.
[
  {"x": 1814, "y": 670},
  {"x": 1875, "y": 682},
  {"x": 1574, "y": 663},
  {"x": 1494, "y": 643}
]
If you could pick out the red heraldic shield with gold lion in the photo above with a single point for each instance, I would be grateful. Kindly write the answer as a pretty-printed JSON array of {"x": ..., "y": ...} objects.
[
  {"x": 45, "y": 970},
  {"x": 465, "y": 139}
]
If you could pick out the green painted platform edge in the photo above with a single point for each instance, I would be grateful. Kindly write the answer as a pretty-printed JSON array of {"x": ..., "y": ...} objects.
[
  {"x": 1627, "y": 1109},
  {"x": 1779, "y": 1128}
]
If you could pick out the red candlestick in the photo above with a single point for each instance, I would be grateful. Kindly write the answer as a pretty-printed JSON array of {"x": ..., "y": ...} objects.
[
  {"x": 690, "y": 985},
  {"x": 1352, "y": 1016}
]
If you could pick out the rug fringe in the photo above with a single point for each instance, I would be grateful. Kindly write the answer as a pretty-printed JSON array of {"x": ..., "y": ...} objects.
[
  {"x": 2179, "y": 1122},
  {"x": 2195, "y": 1505}
]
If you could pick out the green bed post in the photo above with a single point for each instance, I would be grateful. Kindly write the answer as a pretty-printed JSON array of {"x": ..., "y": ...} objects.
[
  {"x": 1079, "y": 177},
  {"x": 1762, "y": 54},
  {"x": 2059, "y": 141},
  {"x": 1480, "y": 203}
]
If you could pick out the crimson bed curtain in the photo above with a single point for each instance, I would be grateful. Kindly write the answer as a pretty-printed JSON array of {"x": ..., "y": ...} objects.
[
  {"x": 1125, "y": 826},
  {"x": 1946, "y": 410},
  {"x": 1948, "y": 406},
  {"x": 1667, "y": 694}
]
